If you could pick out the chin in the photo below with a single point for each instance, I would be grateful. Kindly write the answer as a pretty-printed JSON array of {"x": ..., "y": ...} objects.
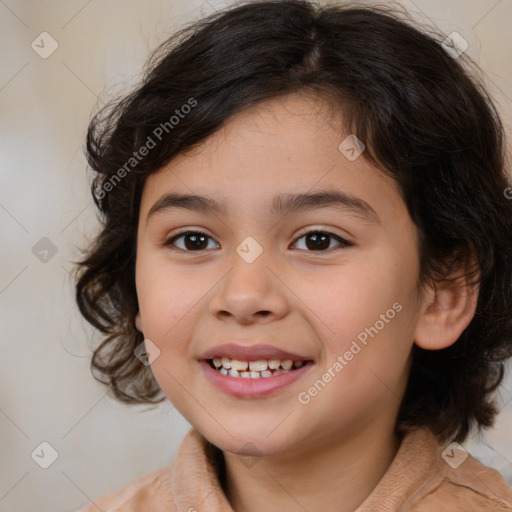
[{"x": 246, "y": 441}]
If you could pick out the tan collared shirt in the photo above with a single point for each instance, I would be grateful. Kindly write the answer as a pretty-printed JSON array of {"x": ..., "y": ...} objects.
[{"x": 418, "y": 480}]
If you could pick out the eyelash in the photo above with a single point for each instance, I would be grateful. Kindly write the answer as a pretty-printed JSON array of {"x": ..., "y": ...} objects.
[{"x": 344, "y": 243}]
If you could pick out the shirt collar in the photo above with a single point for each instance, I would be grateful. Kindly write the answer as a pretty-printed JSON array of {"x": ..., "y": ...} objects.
[{"x": 415, "y": 469}]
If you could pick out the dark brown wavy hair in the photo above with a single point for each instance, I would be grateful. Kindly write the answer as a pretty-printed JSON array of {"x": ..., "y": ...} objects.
[{"x": 426, "y": 120}]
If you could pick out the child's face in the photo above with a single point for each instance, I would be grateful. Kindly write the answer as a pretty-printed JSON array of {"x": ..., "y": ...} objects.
[{"x": 313, "y": 302}]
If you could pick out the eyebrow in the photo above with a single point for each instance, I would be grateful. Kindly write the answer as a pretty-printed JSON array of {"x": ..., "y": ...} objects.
[{"x": 280, "y": 205}]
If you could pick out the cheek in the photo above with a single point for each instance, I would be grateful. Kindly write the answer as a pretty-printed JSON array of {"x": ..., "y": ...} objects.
[
  {"x": 162, "y": 297},
  {"x": 367, "y": 318},
  {"x": 165, "y": 298},
  {"x": 366, "y": 311},
  {"x": 353, "y": 296},
  {"x": 170, "y": 298}
]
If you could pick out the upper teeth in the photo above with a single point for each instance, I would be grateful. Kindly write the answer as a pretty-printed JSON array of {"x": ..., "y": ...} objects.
[{"x": 255, "y": 366}]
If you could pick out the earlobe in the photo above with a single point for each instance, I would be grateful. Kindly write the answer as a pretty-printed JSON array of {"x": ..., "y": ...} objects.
[
  {"x": 447, "y": 310},
  {"x": 138, "y": 322}
]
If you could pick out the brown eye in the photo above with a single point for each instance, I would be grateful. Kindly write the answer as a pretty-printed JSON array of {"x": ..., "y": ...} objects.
[
  {"x": 319, "y": 241},
  {"x": 192, "y": 241}
]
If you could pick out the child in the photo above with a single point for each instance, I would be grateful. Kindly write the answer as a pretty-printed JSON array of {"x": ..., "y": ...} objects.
[{"x": 307, "y": 226}]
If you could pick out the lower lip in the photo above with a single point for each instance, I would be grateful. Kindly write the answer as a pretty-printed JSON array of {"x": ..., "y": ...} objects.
[{"x": 252, "y": 388}]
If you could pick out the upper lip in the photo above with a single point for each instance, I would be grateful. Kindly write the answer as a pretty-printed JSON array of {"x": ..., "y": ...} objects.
[{"x": 250, "y": 353}]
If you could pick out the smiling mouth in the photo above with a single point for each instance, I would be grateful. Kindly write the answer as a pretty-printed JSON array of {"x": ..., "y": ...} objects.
[{"x": 254, "y": 369}]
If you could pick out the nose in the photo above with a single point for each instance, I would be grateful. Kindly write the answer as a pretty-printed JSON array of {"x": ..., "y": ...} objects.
[{"x": 250, "y": 292}]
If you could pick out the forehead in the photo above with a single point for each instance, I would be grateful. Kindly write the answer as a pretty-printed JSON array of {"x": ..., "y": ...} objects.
[{"x": 288, "y": 145}]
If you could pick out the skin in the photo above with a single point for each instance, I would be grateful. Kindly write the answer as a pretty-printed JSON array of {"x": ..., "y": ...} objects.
[{"x": 316, "y": 301}]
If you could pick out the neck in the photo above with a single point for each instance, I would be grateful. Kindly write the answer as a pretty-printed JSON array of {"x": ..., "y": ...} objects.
[{"x": 336, "y": 475}]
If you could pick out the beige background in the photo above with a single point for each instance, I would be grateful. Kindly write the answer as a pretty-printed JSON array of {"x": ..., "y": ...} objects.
[{"x": 46, "y": 390}]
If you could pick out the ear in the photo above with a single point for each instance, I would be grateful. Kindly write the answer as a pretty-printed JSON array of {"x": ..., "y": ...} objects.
[
  {"x": 448, "y": 307},
  {"x": 138, "y": 322}
]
